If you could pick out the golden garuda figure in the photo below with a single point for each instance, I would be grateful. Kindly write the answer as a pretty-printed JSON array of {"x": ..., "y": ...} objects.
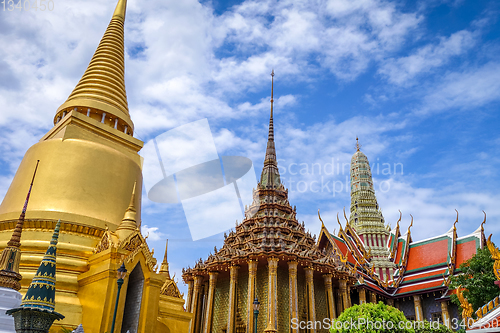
[
  {"x": 467, "y": 309},
  {"x": 495, "y": 254}
]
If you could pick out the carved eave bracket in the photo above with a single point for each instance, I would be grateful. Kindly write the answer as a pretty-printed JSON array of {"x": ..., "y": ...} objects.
[{"x": 108, "y": 240}]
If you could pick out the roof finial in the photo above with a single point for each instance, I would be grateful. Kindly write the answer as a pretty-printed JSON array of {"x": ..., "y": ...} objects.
[
  {"x": 322, "y": 223},
  {"x": 358, "y": 146},
  {"x": 272, "y": 92}
]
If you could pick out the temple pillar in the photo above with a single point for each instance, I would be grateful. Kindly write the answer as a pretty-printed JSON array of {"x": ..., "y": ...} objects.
[
  {"x": 310, "y": 296},
  {"x": 194, "y": 303},
  {"x": 340, "y": 307},
  {"x": 343, "y": 292},
  {"x": 272, "y": 305},
  {"x": 252, "y": 273},
  {"x": 201, "y": 307},
  {"x": 419, "y": 313},
  {"x": 445, "y": 314},
  {"x": 210, "y": 302},
  {"x": 189, "y": 295},
  {"x": 231, "y": 315},
  {"x": 349, "y": 301},
  {"x": 330, "y": 301},
  {"x": 362, "y": 296},
  {"x": 390, "y": 302},
  {"x": 293, "y": 305},
  {"x": 374, "y": 297}
]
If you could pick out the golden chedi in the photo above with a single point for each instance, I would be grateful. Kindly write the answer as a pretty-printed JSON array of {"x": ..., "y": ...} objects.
[{"x": 90, "y": 178}]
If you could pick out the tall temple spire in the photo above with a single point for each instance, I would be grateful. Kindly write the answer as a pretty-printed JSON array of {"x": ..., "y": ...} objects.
[
  {"x": 102, "y": 87},
  {"x": 270, "y": 174},
  {"x": 129, "y": 222},
  {"x": 366, "y": 217},
  {"x": 11, "y": 255}
]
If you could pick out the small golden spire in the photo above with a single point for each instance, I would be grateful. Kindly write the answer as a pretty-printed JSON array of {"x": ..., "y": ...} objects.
[
  {"x": 358, "y": 146},
  {"x": 164, "y": 265},
  {"x": 129, "y": 222}
]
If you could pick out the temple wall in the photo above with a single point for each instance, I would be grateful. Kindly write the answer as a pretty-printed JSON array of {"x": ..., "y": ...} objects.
[
  {"x": 302, "y": 297},
  {"x": 262, "y": 282},
  {"x": 283, "y": 300},
  {"x": 407, "y": 306},
  {"x": 220, "y": 304},
  {"x": 320, "y": 301},
  {"x": 242, "y": 294},
  {"x": 430, "y": 306}
]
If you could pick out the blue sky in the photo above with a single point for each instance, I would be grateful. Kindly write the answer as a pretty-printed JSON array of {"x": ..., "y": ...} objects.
[{"x": 416, "y": 81}]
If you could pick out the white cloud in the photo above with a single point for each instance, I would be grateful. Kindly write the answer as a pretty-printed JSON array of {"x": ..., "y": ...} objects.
[
  {"x": 152, "y": 233},
  {"x": 473, "y": 87},
  {"x": 425, "y": 59}
]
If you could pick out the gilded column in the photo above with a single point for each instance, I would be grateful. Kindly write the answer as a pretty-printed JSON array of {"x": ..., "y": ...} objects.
[
  {"x": 362, "y": 296},
  {"x": 293, "y": 293},
  {"x": 343, "y": 292},
  {"x": 272, "y": 306},
  {"x": 199, "y": 311},
  {"x": 419, "y": 314},
  {"x": 445, "y": 314},
  {"x": 210, "y": 302},
  {"x": 194, "y": 303},
  {"x": 374, "y": 297},
  {"x": 231, "y": 319},
  {"x": 329, "y": 296},
  {"x": 349, "y": 304},
  {"x": 252, "y": 272},
  {"x": 340, "y": 306},
  {"x": 189, "y": 295},
  {"x": 310, "y": 296}
]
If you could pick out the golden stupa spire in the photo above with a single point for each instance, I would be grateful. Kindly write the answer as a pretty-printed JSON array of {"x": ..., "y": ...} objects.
[
  {"x": 11, "y": 255},
  {"x": 129, "y": 222},
  {"x": 164, "y": 265},
  {"x": 101, "y": 90},
  {"x": 358, "y": 146}
]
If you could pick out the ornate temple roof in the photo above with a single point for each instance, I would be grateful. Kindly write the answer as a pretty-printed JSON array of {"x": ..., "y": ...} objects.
[
  {"x": 422, "y": 266},
  {"x": 270, "y": 226}
]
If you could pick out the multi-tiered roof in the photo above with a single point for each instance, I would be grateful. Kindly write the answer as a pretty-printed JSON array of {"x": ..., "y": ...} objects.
[{"x": 270, "y": 226}]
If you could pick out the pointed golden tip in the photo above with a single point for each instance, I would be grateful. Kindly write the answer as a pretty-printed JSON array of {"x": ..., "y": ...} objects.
[
  {"x": 456, "y": 221},
  {"x": 120, "y": 10},
  {"x": 166, "y": 251},
  {"x": 411, "y": 223},
  {"x": 358, "y": 146},
  {"x": 484, "y": 221},
  {"x": 322, "y": 224}
]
